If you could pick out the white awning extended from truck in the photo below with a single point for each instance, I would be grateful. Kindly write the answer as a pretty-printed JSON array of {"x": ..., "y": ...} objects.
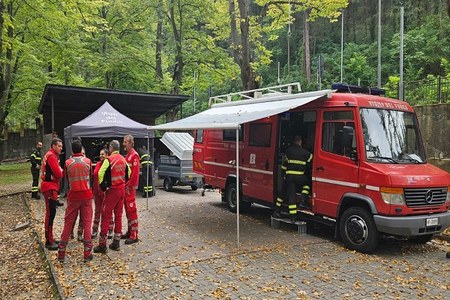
[{"x": 230, "y": 115}]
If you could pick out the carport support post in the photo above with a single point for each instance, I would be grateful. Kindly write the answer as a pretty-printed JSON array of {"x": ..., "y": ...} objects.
[{"x": 237, "y": 185}]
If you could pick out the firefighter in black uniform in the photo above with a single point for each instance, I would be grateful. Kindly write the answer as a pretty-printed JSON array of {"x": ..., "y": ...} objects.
[
  {"x": 36, "y": 161},
  {"x": 297, "y": 167},
  {"x": 146, "y": 164}
]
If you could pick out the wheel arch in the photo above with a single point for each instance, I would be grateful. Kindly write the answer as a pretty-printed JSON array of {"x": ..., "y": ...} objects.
[{"x": 353, "y": 199}]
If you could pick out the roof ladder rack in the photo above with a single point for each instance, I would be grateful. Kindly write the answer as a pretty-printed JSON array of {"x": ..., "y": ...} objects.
[{"x": 290, "y": 88}]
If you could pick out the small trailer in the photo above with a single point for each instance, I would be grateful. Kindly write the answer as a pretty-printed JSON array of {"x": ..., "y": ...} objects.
[{"x": 176, "y": 169}]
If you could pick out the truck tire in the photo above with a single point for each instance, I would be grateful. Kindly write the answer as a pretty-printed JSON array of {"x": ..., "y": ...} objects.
[
  {"x": 421, "y": 239},
  {"x": 193, "y": 187},
  {"x": 167, "y": 184},
  {"x": 230, "y": 199},
  {"x": 358, "y": 230}
]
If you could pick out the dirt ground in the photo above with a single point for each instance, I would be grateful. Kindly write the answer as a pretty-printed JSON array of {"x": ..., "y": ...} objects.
[{"x": 24, "y": 273}]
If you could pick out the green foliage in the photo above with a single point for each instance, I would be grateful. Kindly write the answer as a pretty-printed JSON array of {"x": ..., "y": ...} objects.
[{"x": 112, "y": 44}]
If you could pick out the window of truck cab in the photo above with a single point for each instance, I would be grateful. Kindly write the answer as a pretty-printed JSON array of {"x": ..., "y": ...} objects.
[
  {"x": 199, "y": 136},
  {"x": 332, "y": 129},
  {"x": 391, "y": 136}
]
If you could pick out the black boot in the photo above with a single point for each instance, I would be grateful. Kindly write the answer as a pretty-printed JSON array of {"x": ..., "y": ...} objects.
[
  {"x": 51, "y": 246},
  {"x": 125, "y": 236},
  {"x": 58, "y": 203},
  {"x": 277, "y": 212},
  {"x": 115, "y": 245},
  {"x": 100, "y": 249}
]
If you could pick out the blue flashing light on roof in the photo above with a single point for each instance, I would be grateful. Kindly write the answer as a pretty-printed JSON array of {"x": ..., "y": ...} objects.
[{"x": 347, "y": 88}]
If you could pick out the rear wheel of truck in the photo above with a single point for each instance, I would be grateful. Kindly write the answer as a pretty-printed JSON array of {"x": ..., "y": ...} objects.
[
  {"x": 167, "y": 184},
  {"x": 231, "y": 199},
  {"x": 358, "y": 230}
]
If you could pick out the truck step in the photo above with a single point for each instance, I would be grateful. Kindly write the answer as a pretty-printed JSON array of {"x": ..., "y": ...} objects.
[{"x": 275, "y": 223}]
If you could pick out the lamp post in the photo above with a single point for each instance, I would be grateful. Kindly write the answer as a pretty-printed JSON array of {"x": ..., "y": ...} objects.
[
  {"x": 400, "y": 84},
  {"x": 342, "y": 46},
  {"x": 379, "y": 46}
]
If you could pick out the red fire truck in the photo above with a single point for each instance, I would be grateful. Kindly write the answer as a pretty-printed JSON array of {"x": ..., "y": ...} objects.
[{"x": 369, "y": 175}]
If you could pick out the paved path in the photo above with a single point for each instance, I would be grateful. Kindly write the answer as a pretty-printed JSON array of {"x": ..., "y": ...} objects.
[{"x": 188, "y": 250}]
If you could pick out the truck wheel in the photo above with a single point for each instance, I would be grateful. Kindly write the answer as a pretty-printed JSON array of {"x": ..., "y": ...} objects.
[
  {"x": 358, "y": 230},
  {"x": 421, "y": 239},
  {"x": 167, "y": 184},
  {"x": 194, "y": 187},
  {"x": 230, "y": 199},
  {"x": 230, "y": 196}
]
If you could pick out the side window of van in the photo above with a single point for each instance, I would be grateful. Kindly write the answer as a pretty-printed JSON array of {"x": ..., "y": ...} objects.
[
  {"x": 230, "y": 134},
  {"x": 334, "y": 121},
  {"x": 199, "y": 136},
  {"x": 260, "y": 134}
]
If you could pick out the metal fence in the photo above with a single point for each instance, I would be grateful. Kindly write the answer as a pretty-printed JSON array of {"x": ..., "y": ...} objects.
[{"x": 427, "y": 91}]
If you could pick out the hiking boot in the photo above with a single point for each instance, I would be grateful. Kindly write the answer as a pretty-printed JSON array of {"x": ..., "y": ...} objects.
[
  {"x": 110, "y": 234},
  {"x": 59, "y": 203},
  {"x": 293, "y": 218},
  {"x": 51, "y": 246},
  {"x": 130, "y": 241},
  {"x": 277, "y": 214},
  {"x": 88, "y": 258},
  {"x": 100, "y": 249},
  {"x": 94, "y": 234},
  {"x": 115, "y": 245},
  {"x": 125, "y": 236}
]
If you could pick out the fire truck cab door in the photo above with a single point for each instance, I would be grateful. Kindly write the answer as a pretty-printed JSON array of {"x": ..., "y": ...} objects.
[{"x": 334, "y": 171}]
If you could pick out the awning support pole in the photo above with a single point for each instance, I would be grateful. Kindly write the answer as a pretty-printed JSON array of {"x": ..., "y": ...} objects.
[{"x": 237, "y": 185}]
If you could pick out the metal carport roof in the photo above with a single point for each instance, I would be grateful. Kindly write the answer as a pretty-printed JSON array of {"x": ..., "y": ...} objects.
[{"x": 74, "y": 99}]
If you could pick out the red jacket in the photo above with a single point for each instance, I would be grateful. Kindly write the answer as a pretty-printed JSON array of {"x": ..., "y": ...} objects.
[
  {"x": 96, "y": 187},
  {"x": 134, "y": 162},
  {"x": 51, "y": 172},
  {"x": 78, "y": 170}
]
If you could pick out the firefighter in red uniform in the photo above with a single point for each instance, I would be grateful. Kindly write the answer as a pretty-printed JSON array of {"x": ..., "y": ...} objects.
[
  {"x": 297, "y": 165},
  {"x": 133, "y": 161},
  {"x": 51, "y": 173},
  {"x": 112, "y": 176},
  {"x": 79, "y": 200},
  {"x": 99, "y": 197}
]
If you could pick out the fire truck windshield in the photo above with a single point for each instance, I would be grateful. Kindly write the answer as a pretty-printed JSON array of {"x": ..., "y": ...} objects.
[{"x": 391, "y": 136}]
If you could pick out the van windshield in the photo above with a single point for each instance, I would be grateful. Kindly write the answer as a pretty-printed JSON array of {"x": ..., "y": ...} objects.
[{"x": 391, "y": 136}]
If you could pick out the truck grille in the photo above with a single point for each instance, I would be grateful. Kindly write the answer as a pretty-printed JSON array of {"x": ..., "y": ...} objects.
[{"x": 425, "y": 197}]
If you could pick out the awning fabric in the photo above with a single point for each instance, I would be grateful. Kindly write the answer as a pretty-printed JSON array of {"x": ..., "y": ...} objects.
[{"x": 230, "y": 115}]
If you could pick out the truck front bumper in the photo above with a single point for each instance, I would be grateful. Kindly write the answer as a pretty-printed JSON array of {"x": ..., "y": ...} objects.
[{"x": 413, "y": 225}]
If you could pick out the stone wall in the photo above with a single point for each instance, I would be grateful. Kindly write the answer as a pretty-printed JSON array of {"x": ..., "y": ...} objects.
[
  {"x": 435, "y": 127},
  {"x": 18, "y": 145}
]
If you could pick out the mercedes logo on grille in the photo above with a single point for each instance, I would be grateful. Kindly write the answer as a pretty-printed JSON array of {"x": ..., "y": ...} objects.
[{"x": 429, "y": 196}]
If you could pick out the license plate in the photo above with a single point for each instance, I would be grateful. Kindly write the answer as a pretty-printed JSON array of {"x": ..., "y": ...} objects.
[{"x": 432, "y": 222}]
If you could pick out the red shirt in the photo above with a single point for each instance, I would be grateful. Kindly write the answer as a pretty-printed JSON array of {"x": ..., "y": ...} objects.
[{"x": 133, "y": 161}]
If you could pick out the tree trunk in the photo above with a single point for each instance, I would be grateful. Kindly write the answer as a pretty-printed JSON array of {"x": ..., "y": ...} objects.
[
  {"x": 5, "y": 65},
  {"x": 306, "y": 46},
  {"x": 248, "y": 76},
  {"x": 177, "y": 76},
  {"x": 158, "y": 60}
]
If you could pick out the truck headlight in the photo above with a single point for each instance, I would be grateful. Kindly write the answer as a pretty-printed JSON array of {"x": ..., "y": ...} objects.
[
  {"x": 393, "y": 195},
  {"x": 448, "y": 194}
]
